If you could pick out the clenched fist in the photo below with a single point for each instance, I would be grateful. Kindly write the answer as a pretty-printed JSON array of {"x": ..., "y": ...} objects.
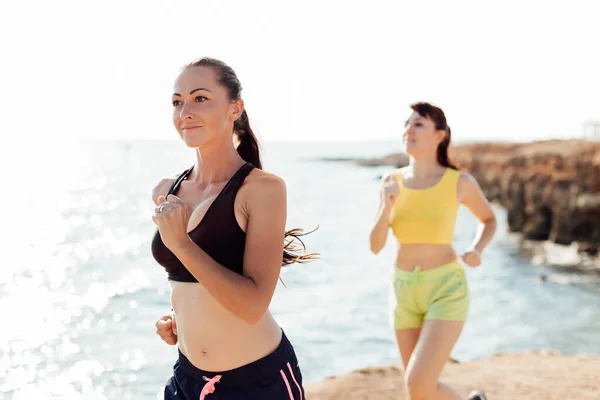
[
  {"x": 472, "y": 258},
  {"x": 166, "y": 328},
  {"x": 171, "y": 217},
  {"x": 389, "y": 191}
]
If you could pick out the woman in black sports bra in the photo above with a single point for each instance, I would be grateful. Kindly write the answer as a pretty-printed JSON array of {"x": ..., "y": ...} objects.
[{"x": 220, "y": 238}]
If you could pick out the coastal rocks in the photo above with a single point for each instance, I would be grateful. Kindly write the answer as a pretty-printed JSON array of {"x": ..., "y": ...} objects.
[{"x": 550, "y": 189}]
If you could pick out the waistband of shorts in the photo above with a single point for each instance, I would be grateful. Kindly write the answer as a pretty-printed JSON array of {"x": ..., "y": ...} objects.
[
  {"x": 433, "y": 273},
  {"x": 246, "y": 374}
]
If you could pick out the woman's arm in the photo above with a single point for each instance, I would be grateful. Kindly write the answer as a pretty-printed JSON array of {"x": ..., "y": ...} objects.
[
  {"x": 473, "y": 198},
  {"x": 379, "y": 233},
  {"x": 247, "y": 296}
]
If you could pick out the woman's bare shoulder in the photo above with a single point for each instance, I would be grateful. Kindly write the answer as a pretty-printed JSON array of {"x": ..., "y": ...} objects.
[
  {"x": 466, "y": 179},
  {"x": 261, "y": 183},
  {"x": 261, "y": 179}
]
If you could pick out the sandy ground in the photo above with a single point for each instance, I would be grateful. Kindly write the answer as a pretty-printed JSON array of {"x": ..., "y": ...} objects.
[{"x": 503, "y": 376}]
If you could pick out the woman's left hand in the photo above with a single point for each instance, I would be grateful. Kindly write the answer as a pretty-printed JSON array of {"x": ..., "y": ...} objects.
[
  {"x": 171, "y": 217},
  {"x": 472, "y": 258}
]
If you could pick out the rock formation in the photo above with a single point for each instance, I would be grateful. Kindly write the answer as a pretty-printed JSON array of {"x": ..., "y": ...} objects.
[{"x": 550, "y": 189}]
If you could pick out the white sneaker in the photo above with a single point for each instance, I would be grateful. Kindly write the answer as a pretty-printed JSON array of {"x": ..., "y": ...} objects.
[{"x": 476, "y": 395}]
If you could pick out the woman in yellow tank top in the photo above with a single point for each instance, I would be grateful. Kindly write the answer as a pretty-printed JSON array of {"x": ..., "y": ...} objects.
[{"x": 429, "y": 293}]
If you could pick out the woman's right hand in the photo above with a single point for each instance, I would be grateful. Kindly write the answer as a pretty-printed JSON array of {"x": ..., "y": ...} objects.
[
  {"x": 166, "y": 328},
  {"x": 389, "y": 191}
]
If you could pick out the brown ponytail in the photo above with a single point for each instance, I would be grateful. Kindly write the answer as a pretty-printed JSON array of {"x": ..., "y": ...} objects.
[
  {"x": 248, "y": 144},
  {"x": 438, "y": 117},
  {"x": 249, "y": 149},
  {"x": 442, "y": 151}
]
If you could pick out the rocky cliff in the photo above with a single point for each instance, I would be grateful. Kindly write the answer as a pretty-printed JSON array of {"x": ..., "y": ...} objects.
[{"x": 550, "y": 189}]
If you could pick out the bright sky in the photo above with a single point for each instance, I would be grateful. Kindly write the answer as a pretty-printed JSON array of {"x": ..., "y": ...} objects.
[{"x": 311, "y": 70}]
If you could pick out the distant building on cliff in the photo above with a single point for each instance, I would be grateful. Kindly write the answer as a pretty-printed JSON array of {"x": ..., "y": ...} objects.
[{"x": 591, "y": 130}]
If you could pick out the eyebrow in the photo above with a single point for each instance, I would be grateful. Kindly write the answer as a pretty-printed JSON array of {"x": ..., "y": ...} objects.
[
  {"x": 193, "y": 91},
  {"x": 416, "y": 119}
]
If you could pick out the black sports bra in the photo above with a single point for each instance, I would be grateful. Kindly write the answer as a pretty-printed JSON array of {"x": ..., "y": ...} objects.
[{"x": 218, "y": 234}]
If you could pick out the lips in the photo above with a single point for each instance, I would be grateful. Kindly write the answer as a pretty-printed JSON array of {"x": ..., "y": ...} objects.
[{"x": 189, "y": 128}]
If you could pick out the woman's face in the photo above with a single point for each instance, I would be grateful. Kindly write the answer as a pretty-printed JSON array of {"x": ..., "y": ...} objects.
[
  {"x": 420, "y": 136},
  {"x": 202, "y": 110}
]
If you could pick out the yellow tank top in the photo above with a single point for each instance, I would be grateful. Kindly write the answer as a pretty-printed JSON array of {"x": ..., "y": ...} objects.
[{"x": 426, "y": 216}]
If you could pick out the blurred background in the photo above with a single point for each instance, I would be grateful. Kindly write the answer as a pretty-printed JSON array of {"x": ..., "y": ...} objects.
[{"x": 86, "y": 133}]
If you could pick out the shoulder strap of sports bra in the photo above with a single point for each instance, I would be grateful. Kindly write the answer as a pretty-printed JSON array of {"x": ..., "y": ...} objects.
[
  {"x": 453, "y": 175},
  {"x": 238, "y": 178},
  {"x": 177, "y": 182},
  {"x": 233, "y": 185},
  {"x": 450, "y": 180}
]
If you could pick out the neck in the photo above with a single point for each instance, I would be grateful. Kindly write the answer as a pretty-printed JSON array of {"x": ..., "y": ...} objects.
[
  {"x": 425, "y": 165},
  {"x": 215, "y": 162}
]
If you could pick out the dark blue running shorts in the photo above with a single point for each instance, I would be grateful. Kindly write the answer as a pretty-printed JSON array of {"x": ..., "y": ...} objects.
[{"x": 274, "y": 377}]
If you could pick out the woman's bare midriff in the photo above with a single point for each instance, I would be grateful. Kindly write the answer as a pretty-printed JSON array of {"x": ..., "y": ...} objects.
[
  {"x": 427, "y": 256},
  {"x": 214, "y": 339}
]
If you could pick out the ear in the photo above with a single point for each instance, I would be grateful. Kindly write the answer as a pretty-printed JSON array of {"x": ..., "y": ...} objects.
[
  {"x": 237, "y": 108},
  {"x": 440, "y": 135}
]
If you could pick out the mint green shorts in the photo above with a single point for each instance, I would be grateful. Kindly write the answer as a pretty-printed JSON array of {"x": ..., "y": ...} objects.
[{"x": 438, "y": 293}]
